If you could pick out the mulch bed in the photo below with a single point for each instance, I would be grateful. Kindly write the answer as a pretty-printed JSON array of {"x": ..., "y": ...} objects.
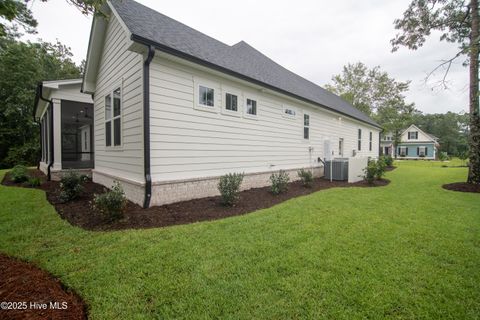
[
  {"x": 390, "y": 168},
  {"x": 22, "y": 285},
  {"x": 80, "y": 212},
  {"x": 462, "y": 187}
]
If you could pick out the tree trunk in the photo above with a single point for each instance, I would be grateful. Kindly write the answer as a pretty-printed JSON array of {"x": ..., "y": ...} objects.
[{"x": 474, "y": 139}]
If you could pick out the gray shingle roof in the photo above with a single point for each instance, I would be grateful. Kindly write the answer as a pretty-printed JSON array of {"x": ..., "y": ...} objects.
[{"x": 241, "y": 59}]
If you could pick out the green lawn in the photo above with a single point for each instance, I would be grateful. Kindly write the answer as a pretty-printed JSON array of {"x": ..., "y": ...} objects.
[{"x": 408, "y": 250}]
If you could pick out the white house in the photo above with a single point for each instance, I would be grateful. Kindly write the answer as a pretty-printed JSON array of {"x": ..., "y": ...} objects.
[{"x": 175, "y": 109}]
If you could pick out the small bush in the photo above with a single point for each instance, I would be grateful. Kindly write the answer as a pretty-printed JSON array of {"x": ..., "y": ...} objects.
[
  {"x": 229, "y": 187},
  {"x": 279, "y": 182},
  {"x": 34, "y": 181},
  {"x": 388, "y": 160},
  {"x": 19, "y": 173},
  {"x": 380, "y": 165},
  {"x": 443, "y": 156},
  {"x": 370, "y": 172},
  {"x": 70, "y": 186},
  {"x": 111, "y": 203},
  {"x": 306, "y": 176}
]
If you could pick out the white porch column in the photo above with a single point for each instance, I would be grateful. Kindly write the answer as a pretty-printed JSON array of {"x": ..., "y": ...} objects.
[{"x": 57, "y": 134}]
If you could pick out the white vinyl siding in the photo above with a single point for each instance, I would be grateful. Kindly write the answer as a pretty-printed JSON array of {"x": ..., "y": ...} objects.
[
  {"x": 120, "y": 68},
  {"x": 187, "y": 142}
]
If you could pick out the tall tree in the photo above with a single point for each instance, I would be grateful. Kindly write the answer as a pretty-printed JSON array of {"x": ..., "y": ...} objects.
[
  {"x": 22, "y": 66},
  {"x": 375, "y": 93},
  {"x": 458, "y": 22}
]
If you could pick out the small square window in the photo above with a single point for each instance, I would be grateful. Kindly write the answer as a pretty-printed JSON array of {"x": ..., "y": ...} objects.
[
  {"x": 231, "y": 102},
  {"x": 251, "y": 107},
  {"x": 206, "y": 96}
]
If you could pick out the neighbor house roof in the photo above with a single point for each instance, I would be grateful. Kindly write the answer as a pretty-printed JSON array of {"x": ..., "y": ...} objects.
[{"x": 166, "y": 34}]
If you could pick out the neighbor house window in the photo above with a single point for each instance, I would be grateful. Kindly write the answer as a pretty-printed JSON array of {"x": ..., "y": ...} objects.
[
  {"x": 231, "y": 102},
  {"x": 251, "y": 107},
  {"x": 306, "y": 126},
  {"x": 403, "y": 151},
  {"x": 206, "y": 96},
  {"x": 370, "y": 141},
  {"x": 359, "y": 139},
  {"x": 413, "y": 135},
  {"x": 421, "y": 151},
  {"x": 113, "y": 115}
]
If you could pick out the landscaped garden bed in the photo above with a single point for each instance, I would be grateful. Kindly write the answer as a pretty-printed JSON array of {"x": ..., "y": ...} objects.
[
  {"x": 80, "y": 212},
  {"x": 27, "y": 292},
  {"x": 462, "y": 187}
]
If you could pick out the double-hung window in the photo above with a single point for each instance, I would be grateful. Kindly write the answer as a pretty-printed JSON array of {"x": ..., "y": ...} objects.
[
  {"x": 413, "y": 135},
  {"x": 359, "y": 147},
  {"x": 306, "y": 126},
  {"x": 113, "y": 118},
  {"x": 251, "y": 107},
  {"x": 370, "y": 141}
]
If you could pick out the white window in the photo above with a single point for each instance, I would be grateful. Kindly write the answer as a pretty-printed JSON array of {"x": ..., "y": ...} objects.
[
  {"x": 413, "y": 135},
  {"x": 403, "y": 151},
  {"x": 113, "y": 118},
  {"x": 306, "y": 126},
  {"x": 289, "y": 112},
  {"x": 370, "y": 141},
  {"x": 231, "y": 102},
  {"x": 251, "y": 107},
  {"x": 359, "y": 146},
  {"x": 422, "y": 151},
  {"x": 206, "y": 96}
]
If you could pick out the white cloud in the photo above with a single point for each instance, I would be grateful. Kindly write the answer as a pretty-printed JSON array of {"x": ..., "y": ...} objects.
[{"x": 312, "y": 38}]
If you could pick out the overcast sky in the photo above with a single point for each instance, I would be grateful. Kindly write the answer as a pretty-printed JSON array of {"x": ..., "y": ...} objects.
[{"x": 314, "y": 38}]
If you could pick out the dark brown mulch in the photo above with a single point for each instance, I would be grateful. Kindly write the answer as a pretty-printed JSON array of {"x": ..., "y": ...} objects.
[
  {"x": 462, "y": 187},
  {"x": 22, "y": 284},
  {"x": 80, "y": 212},
  {"x": 390, "y": 168}
]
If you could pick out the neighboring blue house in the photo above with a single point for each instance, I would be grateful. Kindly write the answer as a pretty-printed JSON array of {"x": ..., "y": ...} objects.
[{"x": 415, "y": 144}]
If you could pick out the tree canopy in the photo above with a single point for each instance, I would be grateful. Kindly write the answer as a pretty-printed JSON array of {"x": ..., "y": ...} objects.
[{"x": 22, "y": 66}]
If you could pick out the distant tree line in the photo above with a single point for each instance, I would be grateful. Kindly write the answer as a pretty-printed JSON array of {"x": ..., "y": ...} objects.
[{"x": 374, "y": 92}]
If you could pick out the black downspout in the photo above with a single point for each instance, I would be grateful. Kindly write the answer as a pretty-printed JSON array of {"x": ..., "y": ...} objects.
[
  {"x": 146, "y": 125},
  {"x": 51, "y": 157},
  {"x": 380, "y": 144}
]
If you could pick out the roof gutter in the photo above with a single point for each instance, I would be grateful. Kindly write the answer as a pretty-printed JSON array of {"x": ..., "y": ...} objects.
[
  {"x": 166, "y": 49},
  {"x": 39, "y": 96},
  {"x": 146, "y": 125}
]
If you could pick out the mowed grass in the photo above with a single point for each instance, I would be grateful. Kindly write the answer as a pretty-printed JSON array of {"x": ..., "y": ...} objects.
[{"x": 408, "y": 250}]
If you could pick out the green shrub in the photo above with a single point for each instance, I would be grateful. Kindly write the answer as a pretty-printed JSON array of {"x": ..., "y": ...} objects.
[
  {"x": 34, "y": 181},
  {"x": 27, "y": 154},
  {"x": 443, "y": 156},
  {"x": 370, "y": 172},
  {"x": 380, "y": 165},
  {"x": 70, "y": 186},
  {"x": 229, "y": 187},
  {"x": 279, "y": 182},
  {"x": 306, "y": 176},
  {"x": 19, "y": 173},
  {"x": 111, "y": 203},
  {"x": 388, "y": 160}
]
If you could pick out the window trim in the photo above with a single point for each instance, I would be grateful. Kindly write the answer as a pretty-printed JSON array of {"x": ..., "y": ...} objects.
[
  {"x": 370, "y": 141},
  {"x": 306, "y": 126},
  {"x": 196, "y": 96},
  {"x": 359, "y": 140},
  {"x": 236, "y": 92},
  {"x": 113, "y": 147},
  {"x": 245, "y": 109}
]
